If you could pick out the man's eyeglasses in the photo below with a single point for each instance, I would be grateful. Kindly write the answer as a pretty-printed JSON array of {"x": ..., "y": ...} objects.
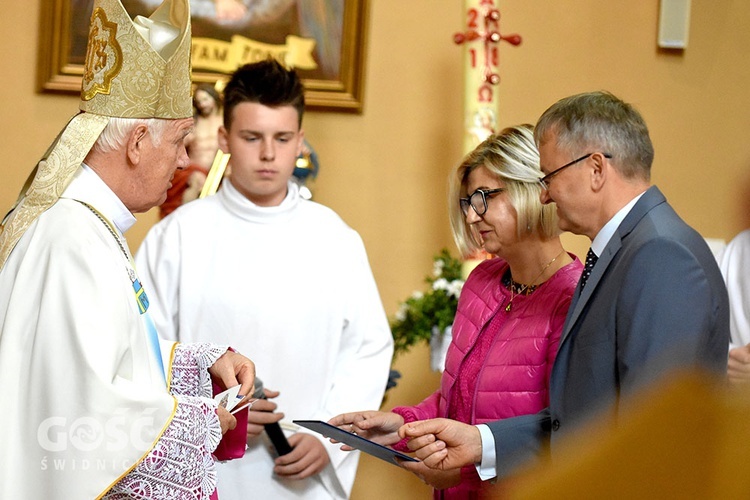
[
  {"x": 478, "y": 201},
  {"x": 544, "y": 181}
]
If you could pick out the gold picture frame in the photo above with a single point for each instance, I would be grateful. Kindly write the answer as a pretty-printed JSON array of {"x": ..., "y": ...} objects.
[{"x": 330, "y": 34}]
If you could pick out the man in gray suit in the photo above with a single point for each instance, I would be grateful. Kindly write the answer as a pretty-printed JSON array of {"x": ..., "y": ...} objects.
[{"x": 651, "y": 299}]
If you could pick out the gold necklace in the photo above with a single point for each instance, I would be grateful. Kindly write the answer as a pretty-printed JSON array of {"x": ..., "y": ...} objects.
[{"x": 523, "y": 288}]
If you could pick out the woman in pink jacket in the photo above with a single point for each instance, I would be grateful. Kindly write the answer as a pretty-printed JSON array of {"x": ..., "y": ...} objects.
[{"x": 511, "y": 310}]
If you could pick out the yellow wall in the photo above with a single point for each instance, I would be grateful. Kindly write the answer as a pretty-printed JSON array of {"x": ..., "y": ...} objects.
[{"x": 384, "y": 170}]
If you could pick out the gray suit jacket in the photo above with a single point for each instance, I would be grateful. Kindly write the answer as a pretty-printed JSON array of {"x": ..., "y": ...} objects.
[{"x": 655, "y": 302}]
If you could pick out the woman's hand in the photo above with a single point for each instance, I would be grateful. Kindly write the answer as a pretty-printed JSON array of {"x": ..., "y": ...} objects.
[{"x": 378, "y": 426}]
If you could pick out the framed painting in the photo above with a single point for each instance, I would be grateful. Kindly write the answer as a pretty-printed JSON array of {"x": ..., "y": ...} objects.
[{"x": 324, "y": 40}]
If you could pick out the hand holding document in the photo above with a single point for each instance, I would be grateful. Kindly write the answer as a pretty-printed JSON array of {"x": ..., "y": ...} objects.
[{"x": 230, "y": 398}]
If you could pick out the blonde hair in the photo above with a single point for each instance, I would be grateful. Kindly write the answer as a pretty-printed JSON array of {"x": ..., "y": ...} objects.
[{"x": 512, "y": 156}]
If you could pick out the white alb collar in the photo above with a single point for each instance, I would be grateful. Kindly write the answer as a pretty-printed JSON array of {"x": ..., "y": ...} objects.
[
  {"x": 240, "y": 206},
  {"x": 88, "y": 187}
]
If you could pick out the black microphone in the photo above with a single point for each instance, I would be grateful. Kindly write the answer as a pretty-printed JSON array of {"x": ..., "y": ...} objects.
[{"x": 274, "y": 432}]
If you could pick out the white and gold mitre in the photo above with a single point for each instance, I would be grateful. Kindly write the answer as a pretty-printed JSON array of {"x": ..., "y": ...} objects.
[
  {"x": 135, "y": 68},
  {"x": 138, "y": 68}
]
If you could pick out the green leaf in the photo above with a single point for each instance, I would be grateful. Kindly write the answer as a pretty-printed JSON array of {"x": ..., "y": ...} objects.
[{"x": 435, "y": 307}]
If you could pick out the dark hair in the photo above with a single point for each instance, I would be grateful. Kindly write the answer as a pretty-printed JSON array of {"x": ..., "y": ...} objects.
[{"x": 266, "y": 82}]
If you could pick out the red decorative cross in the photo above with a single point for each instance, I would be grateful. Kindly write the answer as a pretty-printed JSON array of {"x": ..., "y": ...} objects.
[{"x": 489, "y": 34}]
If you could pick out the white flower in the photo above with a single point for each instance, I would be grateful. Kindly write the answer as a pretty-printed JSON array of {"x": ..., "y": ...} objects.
[
  {"x": 416, "y": 295},
  {"x": 437, "y": 268},
  {"x": 401, "y": 313},
  {"x": 455, "y": 287},
  {"x": 440, "y": 284}
]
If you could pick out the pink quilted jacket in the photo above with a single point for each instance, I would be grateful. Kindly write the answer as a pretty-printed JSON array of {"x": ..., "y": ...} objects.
[{"x": 514, "y": 377}]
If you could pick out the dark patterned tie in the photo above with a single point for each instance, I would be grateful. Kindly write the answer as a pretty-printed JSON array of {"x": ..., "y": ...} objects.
[{"x": 591, "y": 259}]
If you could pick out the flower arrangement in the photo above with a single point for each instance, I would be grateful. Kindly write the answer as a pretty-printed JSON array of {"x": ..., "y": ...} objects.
[{"x": 435, "y": 308}]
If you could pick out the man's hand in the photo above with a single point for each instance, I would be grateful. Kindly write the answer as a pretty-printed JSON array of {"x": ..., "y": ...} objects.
[
  {"x": 438, "y": 479},
  {"x": 738, "y": 367},
  {"x": 233, "y": 368},
  {"x": 308, "y": 458},
  {"x": 260, "y": 414},
  {"x": 443, "y": 444},
  {"x": 226, "y": 420},
  {"x": 379, "y": 426}
]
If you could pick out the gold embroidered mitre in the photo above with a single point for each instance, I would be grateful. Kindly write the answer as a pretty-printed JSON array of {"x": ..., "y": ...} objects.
[
  {"x": 134, "y": 69},
  {"x": 140, "y": 68}
]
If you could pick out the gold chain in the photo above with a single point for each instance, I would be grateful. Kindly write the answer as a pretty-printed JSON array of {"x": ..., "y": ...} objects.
[{"x": 513, "y": 293}]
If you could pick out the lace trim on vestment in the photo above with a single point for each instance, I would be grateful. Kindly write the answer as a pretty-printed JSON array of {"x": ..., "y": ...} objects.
[{"x": 181, "y": 465}]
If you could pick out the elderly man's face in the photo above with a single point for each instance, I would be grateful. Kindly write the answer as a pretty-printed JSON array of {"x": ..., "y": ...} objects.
[{"x": 153, "y": 174}]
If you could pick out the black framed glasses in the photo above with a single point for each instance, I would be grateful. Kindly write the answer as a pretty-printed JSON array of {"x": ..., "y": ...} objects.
[
  {"x": 544, "y": 181},
  {"x": 478, "y": 201}
]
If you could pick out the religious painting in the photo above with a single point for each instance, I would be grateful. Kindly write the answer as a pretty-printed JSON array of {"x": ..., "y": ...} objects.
[{"x": 322, "y": 39}]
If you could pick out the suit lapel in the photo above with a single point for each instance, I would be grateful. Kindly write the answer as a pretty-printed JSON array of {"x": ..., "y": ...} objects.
[
  {"x": 651, "y": 198},
  {"x": 581, "y": 297}
]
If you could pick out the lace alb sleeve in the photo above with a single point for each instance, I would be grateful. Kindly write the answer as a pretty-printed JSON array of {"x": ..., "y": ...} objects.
[
  {"x": 180, "y": 466},
  {"x": 190, "y": 368}
]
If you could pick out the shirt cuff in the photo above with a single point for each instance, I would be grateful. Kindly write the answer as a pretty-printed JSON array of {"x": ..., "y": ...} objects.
[{"x": 487, "y": 468}]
